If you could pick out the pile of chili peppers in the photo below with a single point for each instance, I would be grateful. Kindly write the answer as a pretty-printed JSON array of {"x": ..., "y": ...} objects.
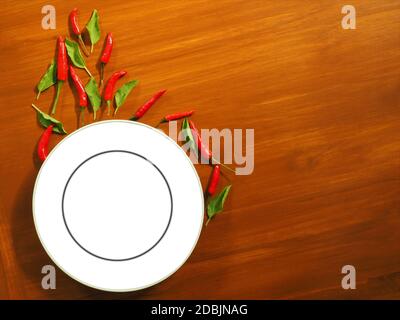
[{"x": 68, "y": 58}]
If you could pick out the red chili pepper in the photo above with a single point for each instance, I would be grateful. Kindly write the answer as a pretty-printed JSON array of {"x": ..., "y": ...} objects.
[
  {"x": 105, "y": 57},
  {"x": 83, "y": 99},
  {"x": 144, "y": 108},
  {"x": 62, "y": 61},
  {"x": 212, "y": 185},
  {"x": 176, "y": 116},
  {"x": 79, "y": 87},
  {"x": 43, "y": 145},
  {"x": 73, "y": 18},
  {"x": 62, "y": 69},
  {"x": 109, "y": 89},
  {"x": 204, "y": 152}
]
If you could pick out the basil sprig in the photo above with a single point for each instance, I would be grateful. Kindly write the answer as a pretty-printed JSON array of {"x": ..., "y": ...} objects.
[
  {"x": 187, "y": 134},
  {"x": 48, "y": 79},
  {"x": 93, "y": 29},
  {"x": 45, "y": 120},
  {"x": 216, "y": 203},
  {"x": 123, "y": 92},
  {"x": 94, "y": 96},
  {"x": 75, "y": 55}
]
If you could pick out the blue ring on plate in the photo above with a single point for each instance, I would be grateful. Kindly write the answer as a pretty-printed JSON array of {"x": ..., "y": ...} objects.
[{"x": 91, "y": 253}]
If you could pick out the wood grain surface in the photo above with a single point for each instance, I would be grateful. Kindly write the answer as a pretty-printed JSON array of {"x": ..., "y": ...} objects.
[{"x": 324, "y": 104}]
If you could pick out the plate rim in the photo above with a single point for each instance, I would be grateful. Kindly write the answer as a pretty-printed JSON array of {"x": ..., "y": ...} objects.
[{"x": 159, "y": 131}]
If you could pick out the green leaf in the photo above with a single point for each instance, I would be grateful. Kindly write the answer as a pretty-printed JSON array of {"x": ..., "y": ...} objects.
[
  {"x": 123, "y": 92},
  {"x": 94, "y": 95},
  {"x": 216, "y": 204},
  {"x": 187, "y": 134},
  {"x": 75, "y": 55},
  {"x": 45, "y": 120},
  {"x": 93, "y": 29},
  {"x": 48, "y": 79}
]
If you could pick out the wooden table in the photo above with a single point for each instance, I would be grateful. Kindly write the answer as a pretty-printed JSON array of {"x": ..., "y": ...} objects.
[{"x": 324, "y": 104}]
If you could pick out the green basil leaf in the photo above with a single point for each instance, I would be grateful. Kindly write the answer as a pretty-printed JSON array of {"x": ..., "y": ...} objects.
[
  {"x": 123, "y": 92},
  {"x": 93, "y": 29},
  {"x": 48, "y": 79},
  {"x": 74, "y": 53},
  {"x": 94, "y": 95},
  {"x": 45, "y": 120},
  {"x": 216, "y": 204},
  {"x": 187, "y": 134}
]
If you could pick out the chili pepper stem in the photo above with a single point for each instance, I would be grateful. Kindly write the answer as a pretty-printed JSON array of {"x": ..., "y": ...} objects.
[
  {"x": 82, "y": 116},
  {"x": 80, "y": 40},
  {"x": 208, "y": 220},
  {"x": 91, "y": 48},
  {"x": 163, "y": 120},
  {"x": 38, "y": 95},
  {"x": 108, "y": 107},
  {"x": 94, "y": 115},
  {"x": 88, "y": 72},
  {"x": 225, "y": 166},
  {"x": 228, "y": 168},
  {"x": 36, "y": 108},
  {"x": 101, "y": 74},
  {"x": 59, "y": 85}
]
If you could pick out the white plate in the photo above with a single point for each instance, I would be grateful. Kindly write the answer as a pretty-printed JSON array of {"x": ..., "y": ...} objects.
[{"x": 118, "y": 205}]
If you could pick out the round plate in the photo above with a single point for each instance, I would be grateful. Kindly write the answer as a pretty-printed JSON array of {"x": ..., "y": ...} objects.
[{"x": 118, "y": 205}]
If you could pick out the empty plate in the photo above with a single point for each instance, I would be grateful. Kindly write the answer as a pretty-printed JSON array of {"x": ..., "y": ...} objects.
[{"x": 118, "y": 205}]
